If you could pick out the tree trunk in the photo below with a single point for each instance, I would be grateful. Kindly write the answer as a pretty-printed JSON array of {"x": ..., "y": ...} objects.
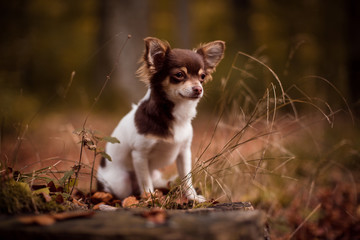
[
  {"x": 118, "y": 19},
  {"x": 353, "y": 40}
]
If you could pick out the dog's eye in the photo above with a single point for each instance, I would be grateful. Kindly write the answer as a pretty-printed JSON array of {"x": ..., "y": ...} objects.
[
  {"x": 203, "y": 76},
  {"x": 179, "y": 75}
]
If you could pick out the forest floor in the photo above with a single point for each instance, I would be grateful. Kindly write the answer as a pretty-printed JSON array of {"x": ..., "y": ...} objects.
[{"x": 305, "y": 198}]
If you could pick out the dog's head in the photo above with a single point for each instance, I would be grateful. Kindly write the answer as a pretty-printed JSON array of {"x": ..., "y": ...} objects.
[{"x": 179, "y": 73}]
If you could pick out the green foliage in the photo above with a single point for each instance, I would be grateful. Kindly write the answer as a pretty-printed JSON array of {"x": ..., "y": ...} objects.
[
  {"x": 105, "y": 155},
  {"x": 91, "y": 140},
  {"x": 66, "y": 177},
  {"x": 110, "y": 139}
]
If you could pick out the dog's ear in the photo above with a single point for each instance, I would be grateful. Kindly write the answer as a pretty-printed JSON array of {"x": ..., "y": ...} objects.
[
  {"x": 212, "y": 53},
  {"x": 155, "y": 52}
]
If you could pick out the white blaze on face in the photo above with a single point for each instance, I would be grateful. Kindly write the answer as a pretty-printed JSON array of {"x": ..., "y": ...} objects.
[
  {"x": 191, "y": 89},
  {"x": 183, "y": 85}
]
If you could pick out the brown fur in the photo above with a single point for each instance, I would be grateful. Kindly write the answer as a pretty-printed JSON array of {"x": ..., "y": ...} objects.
[{"x": 154, "y": 115}]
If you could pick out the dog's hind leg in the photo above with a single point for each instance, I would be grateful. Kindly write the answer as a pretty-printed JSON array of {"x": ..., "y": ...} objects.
[{"x": 118, "y": 182}]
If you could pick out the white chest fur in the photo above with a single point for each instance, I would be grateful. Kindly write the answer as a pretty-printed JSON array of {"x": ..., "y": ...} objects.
[
  {"x": 161, "y": 152},
  {"x": 144, "y": 155}
]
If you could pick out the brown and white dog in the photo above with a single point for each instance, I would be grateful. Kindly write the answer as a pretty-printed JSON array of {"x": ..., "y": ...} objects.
[{"x": 158, "y": 132}]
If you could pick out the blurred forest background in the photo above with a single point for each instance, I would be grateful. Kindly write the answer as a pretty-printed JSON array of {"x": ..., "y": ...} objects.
[
  {"x": 42, "y": 42},
  {"x": 313, "y": 46}
]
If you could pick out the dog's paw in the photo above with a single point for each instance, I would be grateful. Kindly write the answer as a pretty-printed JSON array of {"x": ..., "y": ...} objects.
[{"x": 197, "y": 198}]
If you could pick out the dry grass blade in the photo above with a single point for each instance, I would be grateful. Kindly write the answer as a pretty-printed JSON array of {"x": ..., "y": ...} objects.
[
  {"x": 69, "y": 84},
  {"x": 259, "y": 125},
  {"x": 305, "y": 220},
  {"x": 271, "y": 124},
  {"x": 338, "y": 92},
  {"x": 267, "y": 67}
]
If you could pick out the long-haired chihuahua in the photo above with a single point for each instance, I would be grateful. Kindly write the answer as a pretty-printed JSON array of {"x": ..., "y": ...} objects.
[{"x": 157, "y": 131}]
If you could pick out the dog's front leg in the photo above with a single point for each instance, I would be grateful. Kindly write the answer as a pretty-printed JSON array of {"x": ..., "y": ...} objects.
[
  {"x": 142, "y": 172},
  {"x": 183, "y": 163}
]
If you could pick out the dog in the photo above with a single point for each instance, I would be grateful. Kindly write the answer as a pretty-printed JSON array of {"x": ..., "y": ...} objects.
[{"x": 157, "y": 131}]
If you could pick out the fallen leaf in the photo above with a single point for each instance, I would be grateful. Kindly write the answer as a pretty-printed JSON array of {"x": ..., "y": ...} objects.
[
  {"x": 156, "y": 198},
  {"x": 59, "y": 189},
  {"x": 42, "y": 190},
  {"x": 97, "y": 206},
  {"x": 155, "y": 215},
  {"x": 130, "y": 202},
  {"x": 52, "y": 186},
  {"x": 78, "y": 202},
  {"x": 145, "y": 195},
  {"x": 101, "y": 197},
  {"x": 182, "y": 200},
  {"x": 49, "y": 219},
  {"x": 35, "y": 187},
  {"x": 59, "y": 198},
  {"x": 72, "y": 214},
  {"x": 43, "y": 220}
]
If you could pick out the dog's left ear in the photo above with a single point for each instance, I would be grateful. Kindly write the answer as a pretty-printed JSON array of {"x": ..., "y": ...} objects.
[{"x": 212, "y": 53}]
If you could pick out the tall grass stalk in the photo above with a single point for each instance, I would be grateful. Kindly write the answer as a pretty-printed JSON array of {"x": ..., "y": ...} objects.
[
  {"x": 305, "y": 220},
  {"x": 260, "y": 125}
]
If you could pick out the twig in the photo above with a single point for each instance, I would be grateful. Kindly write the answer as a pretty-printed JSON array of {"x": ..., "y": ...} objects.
[
  {"x": 92, "y": 170},
  {"x": 108, "y": 77},
  {"x": 79, "y": 165}
]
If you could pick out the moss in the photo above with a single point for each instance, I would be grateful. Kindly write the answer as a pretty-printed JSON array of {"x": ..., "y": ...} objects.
[
  {"x": 16, "y": 197},
  {"x": 51, "y": 206}
]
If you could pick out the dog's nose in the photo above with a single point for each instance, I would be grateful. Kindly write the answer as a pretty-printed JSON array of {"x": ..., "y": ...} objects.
[{"x": 197, "y": 90}]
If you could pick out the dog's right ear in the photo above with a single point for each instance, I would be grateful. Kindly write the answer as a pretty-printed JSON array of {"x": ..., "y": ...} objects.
[
  {"x": 155, "y": 52},
  {"x": 153, "y": 59}
]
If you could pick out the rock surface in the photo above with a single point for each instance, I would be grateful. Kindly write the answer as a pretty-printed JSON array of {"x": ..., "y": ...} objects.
[{"x": 223, "y": 221}]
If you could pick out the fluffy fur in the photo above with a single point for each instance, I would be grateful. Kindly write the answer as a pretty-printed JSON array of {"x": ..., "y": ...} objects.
[{"x": 157, "y": 131}]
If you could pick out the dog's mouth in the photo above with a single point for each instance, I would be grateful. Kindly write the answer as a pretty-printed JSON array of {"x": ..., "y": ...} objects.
[{"x": 192, "y": 97}]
